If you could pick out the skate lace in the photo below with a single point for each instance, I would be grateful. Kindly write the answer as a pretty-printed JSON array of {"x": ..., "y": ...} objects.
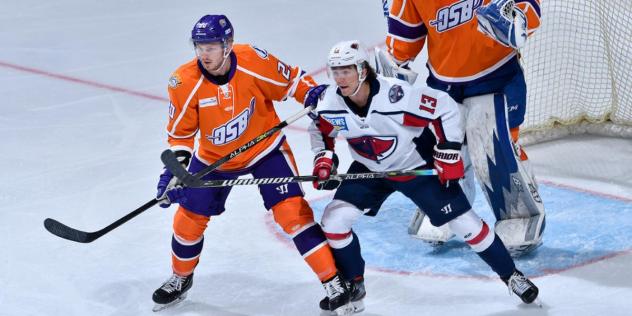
[
  {"x": 174, "y": 283},
  {"x": 334, "y": 288},
  {"x": 518, "y": 284}
]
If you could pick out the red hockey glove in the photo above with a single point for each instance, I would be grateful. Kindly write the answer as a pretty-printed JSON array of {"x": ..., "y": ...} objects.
[
  {"x": 325, "y": 165},
  {"x": 447, "y": 161}
]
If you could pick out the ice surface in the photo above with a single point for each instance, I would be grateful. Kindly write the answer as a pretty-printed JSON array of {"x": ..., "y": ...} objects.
[{"x": 83, "y": 86}]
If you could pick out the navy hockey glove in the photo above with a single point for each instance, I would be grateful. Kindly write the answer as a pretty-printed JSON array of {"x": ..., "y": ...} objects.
[
  {"x": 325, "y": 165},
  {"x": 502, "y": 21},
  {"x": 169, "y": 189},
  {"x": 313, "y": 95},
  {"x": 447, "y": 161}
]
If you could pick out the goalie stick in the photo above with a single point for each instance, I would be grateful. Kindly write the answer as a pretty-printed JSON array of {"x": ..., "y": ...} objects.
[
  {"x": 61, "y": 230},
  {"x": 340, "y": 177}
]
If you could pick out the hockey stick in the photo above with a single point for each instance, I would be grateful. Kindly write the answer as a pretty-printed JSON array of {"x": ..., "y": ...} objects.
[
  {"x": 168, "y": 157},
  {"x": 58, "y": 229},
  {"x": 339, "y": 177},
  {"x": 63, "y": 231}
]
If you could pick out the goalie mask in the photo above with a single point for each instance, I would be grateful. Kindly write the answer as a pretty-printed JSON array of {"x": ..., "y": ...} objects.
[{"x": 348, "y": 53}]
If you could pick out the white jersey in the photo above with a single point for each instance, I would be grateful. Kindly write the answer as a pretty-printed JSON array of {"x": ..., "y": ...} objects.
[{"x": 397, "y": 114}]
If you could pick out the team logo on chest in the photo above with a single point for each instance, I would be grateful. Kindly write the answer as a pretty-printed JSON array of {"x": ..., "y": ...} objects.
[
  {"x": 455, "y": 15},
  {"x": 234, "y": 128},
  {"x": 376, "y": 148}
]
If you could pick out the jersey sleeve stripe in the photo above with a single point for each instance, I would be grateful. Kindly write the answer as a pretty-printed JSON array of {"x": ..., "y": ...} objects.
[
  {"x": 258, "y": 76},
  {"x": 416, "y": 121},
  {"x": 181, "y": 147},
  {"x": 182, "y": 137},
  {"x": 184, "y": 108},
  {"x": 405, "y": 30},
  {"x": 438, "y": 129},
  {"x": 407, "y": 40}
]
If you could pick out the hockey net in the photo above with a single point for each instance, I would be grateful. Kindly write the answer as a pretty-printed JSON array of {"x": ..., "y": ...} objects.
[{"x": 578, "y": 69}]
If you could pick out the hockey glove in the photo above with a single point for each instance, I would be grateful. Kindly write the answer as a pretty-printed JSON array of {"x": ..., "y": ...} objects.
[
  {"x": 388, "y": 66},
  {"x": 447, "y": 161},
  {"x": 169, "y": 189},
  {"x": 312, "y": 97},
  {"x": 325, "y": 165},
  {"x": 503, "y": 22}
]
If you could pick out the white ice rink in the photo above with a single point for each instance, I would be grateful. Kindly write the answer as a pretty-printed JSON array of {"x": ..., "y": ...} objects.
[{"x": 83, "y": 90}]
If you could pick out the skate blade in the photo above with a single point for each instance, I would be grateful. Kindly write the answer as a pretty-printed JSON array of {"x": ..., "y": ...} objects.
[
  {"x": 537, "y": 302},
  {"x": 344, "y": 310},
  {"x": 358, "y": 306},
  {"x": 159, "y": 307}
]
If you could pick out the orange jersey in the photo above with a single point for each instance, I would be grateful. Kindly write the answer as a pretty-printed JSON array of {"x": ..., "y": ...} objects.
[
  {"x": 457, "y": 51},
  {"x": 227, "y": 116}
]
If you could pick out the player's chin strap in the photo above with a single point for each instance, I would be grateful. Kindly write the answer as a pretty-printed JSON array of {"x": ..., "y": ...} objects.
[
  {"x": 226, "y": 54},
  {"x": 361, "y": 79}
]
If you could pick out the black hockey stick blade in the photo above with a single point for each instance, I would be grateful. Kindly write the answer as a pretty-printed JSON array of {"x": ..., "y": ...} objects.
[{"x": 58, "y": 229}]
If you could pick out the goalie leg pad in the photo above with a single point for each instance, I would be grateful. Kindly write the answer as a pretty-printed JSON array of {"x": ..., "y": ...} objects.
[
  {"x": 521, "y": 235},
  {"x": 509, "y": 188},
  {"x": 468, "y": 183},
  {"x": 420, "y": 227}
]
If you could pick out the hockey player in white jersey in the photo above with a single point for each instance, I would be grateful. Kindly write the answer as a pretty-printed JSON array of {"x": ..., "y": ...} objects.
[{"x": 386, "y": 122}]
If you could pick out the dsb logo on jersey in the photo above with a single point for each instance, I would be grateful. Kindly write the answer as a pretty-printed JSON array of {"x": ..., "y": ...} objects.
[
  {"x": 454, "y": 15},
  {"x": 234, "y": 128}
]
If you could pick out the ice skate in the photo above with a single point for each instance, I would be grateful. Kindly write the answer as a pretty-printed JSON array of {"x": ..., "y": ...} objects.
[
  {"x": 172, "y": 291},
  {"x": 338, "y": 296},
  {"x": 356, "y": 287},
  {"x": 521, "y": 286}
]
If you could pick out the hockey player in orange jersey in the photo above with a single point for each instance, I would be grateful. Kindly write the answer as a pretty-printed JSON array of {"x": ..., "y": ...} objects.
[
  {"x": 473, "y": 56},
  {"x": 225, "y": 96}
]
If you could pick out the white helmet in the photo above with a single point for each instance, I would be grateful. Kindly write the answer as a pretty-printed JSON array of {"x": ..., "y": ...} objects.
[{"x": 348, "y": 53}]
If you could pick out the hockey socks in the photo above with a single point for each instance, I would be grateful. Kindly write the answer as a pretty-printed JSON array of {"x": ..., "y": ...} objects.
[
  {"x": 497, "y": 257},
  {"x": 349, "y": 259}
]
